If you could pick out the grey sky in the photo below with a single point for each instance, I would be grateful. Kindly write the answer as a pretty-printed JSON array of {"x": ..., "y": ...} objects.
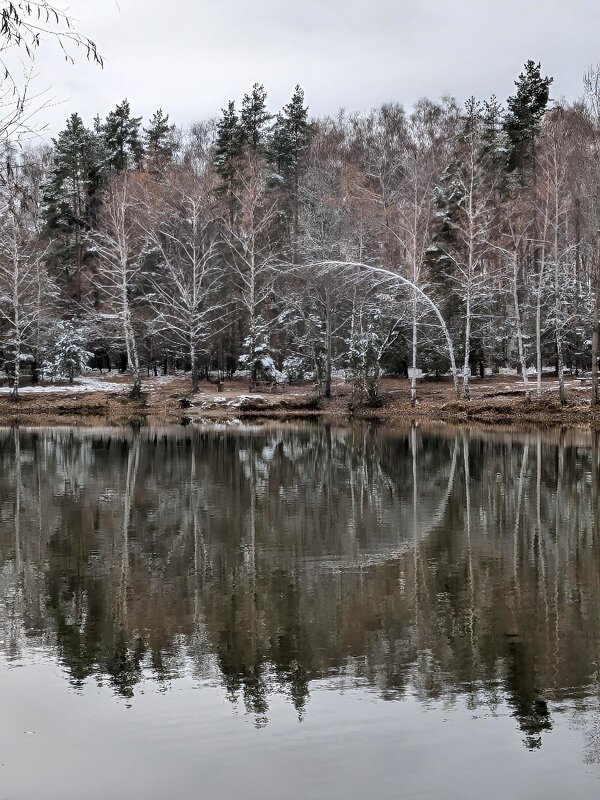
[{"x": 190, "y": 56}]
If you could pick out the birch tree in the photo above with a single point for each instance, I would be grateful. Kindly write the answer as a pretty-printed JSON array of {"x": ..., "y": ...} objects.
[
  {"x": 324, "y": 236},
  {"x": 118, "y": 245},
  {"x": 511, "y": 244},
  {"x": 591, "y": 83},
  {"x": 22, "y": 269},
  {"x": 20, "y": 265},
  {"x": 421, "y": 163},
  {"x": 556, "y": 248},
  {"x": 251, "y": 249},
  {"x": 466, "y": 202},
  {"x": 183, "y": 230}
]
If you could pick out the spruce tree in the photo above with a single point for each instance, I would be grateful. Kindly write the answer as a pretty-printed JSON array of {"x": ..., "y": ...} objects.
[
  {"x": 228, "y": 152},
  {"x": 291, "y": 136},
  {"x": 67, "y": 355},
  {"x": 254, "y": 119},
  {"x": 160, "y": 140},
  {"x": 493, "y": 135},
  {"x": 526, "y": 109},
  {"x": 122, "y": 138},
  {"x": 494, "y": 144},
  {"x": 71, "y": 195}
]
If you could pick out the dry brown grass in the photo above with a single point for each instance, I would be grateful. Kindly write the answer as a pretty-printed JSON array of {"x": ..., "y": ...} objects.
[{"x": 496, "y": 400}]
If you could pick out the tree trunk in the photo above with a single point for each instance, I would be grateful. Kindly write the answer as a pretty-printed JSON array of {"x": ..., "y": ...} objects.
[
  {"x": 296, "y": 203},
  {"x": 560, "y": 367},
  {"x": 194, "y": 367},
  {"x": 522, "y": 356},
  {"x": 594, "y": 487},
  {"x": 467, "y": 349},
  {"x": 538, "y": 341},
  {"x": 596, "y": 318},
  {"x": 16, "y": 306},
  {"x": 596, "y": 321},
  {"x": 328, "y": 345},
  {"x": 133, "y": 361},
  {"x": 413, "y": 377},
  {"x": 14, "y": 393}
]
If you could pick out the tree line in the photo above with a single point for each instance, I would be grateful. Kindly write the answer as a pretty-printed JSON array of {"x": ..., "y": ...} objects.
[{"x": 448, "y": 238}]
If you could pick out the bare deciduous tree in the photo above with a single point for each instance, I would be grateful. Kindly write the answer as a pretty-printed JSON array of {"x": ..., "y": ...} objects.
[
  {"x": 119, "y": 244},
  {"x": 183, "y": 230},
  {"x": 250, "y": 240}
]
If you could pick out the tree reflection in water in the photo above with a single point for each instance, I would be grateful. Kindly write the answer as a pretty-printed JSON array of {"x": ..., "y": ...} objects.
[{"x": 445, "y": 563}]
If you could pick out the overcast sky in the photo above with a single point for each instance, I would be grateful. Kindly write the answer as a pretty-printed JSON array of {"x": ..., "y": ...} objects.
[{"x": 190, "y": 56}]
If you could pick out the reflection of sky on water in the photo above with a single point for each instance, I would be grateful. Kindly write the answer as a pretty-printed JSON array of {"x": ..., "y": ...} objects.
[{"x": 186, "y": 742}]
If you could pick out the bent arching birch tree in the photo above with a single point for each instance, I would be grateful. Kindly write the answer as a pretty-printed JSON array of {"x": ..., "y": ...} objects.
[{"x": 391, "y": 275}]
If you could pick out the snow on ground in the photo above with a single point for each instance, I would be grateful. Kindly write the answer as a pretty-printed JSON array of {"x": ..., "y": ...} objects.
[
  {"x": 81, "y": 386},
  {"x": 219, "y": 401}
]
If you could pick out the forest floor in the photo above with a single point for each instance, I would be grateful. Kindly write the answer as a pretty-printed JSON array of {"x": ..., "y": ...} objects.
[{"x": 105, "y": 400}]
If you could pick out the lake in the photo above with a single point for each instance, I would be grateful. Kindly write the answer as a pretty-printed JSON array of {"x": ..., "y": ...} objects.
[{"x": 302, "y": 611}]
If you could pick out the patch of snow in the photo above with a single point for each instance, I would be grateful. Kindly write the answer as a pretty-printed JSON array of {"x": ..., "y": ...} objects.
[
  {"x": 220, "y": 401},
  {"x": 250, "y": 397},
  {"x": 82, "y": 386}
]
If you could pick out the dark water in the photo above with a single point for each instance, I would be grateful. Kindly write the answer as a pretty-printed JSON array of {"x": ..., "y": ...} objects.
[{"x": 297, "y": 613}]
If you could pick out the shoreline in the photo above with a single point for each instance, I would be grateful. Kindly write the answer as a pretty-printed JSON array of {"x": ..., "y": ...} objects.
[{"x": 496, "y": 401}]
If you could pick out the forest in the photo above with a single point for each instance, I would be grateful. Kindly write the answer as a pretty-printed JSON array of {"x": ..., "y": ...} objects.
[{"x": 445, "y": 239}]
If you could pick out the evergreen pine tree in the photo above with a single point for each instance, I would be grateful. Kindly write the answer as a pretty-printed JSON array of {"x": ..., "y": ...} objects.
[
  {"x": 291, "y": 135},
  {"x": 254, "y": 119},
  {"x": 122, "y": 137},
  {"x": 526, "y": 109},
  {"x": 68, "y": 356},
  {"x": 228, "y": 152},
  {"x": 493, "y": 136},
  {"x": 160, "y": 139},
  {"x": 71, "y": 195},
  {"x": 494, "y": 148}
]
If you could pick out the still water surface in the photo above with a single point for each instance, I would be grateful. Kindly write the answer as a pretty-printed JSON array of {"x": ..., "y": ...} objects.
[{"x": 299, "y": 612}]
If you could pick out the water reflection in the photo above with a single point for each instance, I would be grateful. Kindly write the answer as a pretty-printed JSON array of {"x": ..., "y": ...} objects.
[{"x": 444, "y": 564}]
